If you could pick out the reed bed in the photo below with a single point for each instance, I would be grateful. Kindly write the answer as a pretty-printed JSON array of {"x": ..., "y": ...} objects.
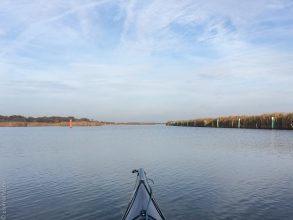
[
  {"x": 44, "y": 124},
  {"x": 21, "y": 121},
  {"x": 264, "y": 121}
]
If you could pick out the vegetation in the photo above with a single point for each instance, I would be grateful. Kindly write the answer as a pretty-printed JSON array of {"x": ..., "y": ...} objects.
[
  {"x": 52, "y": 119},
  {"x": 21, "y": 121},
  {"x": 264, "y": 121}
]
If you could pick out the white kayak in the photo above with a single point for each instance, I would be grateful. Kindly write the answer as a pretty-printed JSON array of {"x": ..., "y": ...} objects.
[{"x": 142, "y": 205}]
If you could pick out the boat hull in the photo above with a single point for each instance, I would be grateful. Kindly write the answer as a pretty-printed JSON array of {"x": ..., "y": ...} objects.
[{"x": 142, "y": 204}]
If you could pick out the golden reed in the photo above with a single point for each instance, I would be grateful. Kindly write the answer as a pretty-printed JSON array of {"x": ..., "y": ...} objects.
[{"x": 264, "y": 121}]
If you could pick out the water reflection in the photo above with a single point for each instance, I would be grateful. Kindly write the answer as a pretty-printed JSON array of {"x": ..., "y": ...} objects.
[{"x": 199, "y": 173}]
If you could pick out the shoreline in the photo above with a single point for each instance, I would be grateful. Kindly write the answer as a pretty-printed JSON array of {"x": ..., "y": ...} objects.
[
  {"x": 66, "y": 124},
  {"x": 61, "y": 121},
  {"x": 281, "y": 121}
]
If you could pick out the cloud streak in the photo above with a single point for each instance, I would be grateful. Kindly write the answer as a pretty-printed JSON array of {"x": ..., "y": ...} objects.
[{"x": 155, "y": 56}]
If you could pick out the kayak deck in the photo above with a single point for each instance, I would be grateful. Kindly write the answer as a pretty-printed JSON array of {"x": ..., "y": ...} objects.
[{"x": 142, "y": 205}]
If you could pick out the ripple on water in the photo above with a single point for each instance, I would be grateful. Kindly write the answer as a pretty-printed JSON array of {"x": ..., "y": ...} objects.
[{"x": 85, "y": 173}]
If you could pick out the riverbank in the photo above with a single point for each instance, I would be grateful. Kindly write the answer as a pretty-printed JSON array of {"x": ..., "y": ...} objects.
[
  {"x": 65, "y": 124},
  {"x": 264, "y": 121},
  {"x": 43, "y": 124},
  {"x": 21, "y": 121}
]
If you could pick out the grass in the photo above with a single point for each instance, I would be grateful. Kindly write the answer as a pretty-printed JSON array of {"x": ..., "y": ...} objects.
[{"x": 264, "y": 121}]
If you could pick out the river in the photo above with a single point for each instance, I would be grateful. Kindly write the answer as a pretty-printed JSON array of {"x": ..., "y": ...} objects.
[{"x": 199, "y": 173}]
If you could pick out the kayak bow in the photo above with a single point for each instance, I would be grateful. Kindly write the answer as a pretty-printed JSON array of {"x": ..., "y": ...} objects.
[{"x": 142, "y": 205}]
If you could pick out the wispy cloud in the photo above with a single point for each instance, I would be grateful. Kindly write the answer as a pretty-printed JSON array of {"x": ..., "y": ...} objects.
[
  {"x": 37, "y": 25},
  {"x": 217, "y": 22},
  {"x": 155, "y": 55}
]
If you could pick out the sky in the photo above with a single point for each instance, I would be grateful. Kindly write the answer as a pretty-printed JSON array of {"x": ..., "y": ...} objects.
[{"x": 145, "y": 60}]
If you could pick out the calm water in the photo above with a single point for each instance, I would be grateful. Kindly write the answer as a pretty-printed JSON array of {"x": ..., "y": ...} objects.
[{"x": 199, "y": 173}]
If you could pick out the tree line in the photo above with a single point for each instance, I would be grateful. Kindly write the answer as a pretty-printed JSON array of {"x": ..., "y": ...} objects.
[{"x": 51, "y": 119}]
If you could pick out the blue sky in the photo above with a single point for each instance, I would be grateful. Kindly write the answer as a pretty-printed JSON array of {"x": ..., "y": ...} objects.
[{"x": 145, "y": 60}]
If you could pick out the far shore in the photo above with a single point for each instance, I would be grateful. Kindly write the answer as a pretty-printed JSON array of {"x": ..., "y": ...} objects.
[
  {"x": 22, "y": 121},
  {"x": 66, "y": 124}
]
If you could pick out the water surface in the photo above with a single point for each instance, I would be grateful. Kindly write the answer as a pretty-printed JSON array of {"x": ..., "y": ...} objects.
[{"x": 199, "y": 173}]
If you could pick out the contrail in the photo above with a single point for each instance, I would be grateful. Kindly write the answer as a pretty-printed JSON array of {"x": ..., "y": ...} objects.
[{"x": 18, "y": 42}]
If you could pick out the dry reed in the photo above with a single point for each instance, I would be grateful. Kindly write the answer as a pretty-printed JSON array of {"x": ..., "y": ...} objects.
[{"x": 264, "y": 121}]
